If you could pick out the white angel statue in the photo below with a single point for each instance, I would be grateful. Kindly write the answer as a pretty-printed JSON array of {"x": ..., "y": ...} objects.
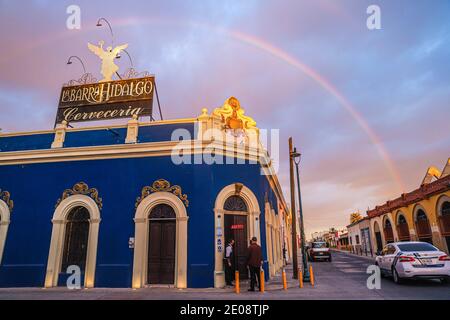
[{"x": 109, "y": 68}]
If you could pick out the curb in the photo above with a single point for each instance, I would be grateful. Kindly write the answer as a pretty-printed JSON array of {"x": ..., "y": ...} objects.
[{"x": 354, "y": 255}]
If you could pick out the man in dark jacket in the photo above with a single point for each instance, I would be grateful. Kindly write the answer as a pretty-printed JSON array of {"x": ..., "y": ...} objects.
[{"x": 254, "y": 262}]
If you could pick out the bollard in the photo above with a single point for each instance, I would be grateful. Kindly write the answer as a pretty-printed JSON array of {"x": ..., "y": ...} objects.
[
  {"x": 311, "y": 275},
  {"x": 284, "y": 280},
  {"x": 238, "y": 289},
  {"x": 300, "y": 278},
  {"x": 261, "y": 281}
]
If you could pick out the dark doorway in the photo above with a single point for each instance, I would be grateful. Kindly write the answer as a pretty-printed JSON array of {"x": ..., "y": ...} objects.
[
  {"x": 379, "y": 241},
  {"x": 403, "y": 229},
  {"x": 445, "y": 223},
  {"x": 76, "y": 239},
  {"x": 236, "y": 228},
  {"x": 388, "y": 232},
  {"x": 423, "y": 227},
  {"x": 161, "y": 245}
]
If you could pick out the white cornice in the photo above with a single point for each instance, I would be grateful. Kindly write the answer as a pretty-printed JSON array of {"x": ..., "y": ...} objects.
[{"x": 142, "y": 150}]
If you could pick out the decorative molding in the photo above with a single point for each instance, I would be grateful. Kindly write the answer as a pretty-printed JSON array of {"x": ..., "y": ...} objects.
[
  {"x": 60, "y": 135},
  {"x": 6, "y": 196},
  {"x": 86, "y": 78},
  {"x": 132, "y": 73},
  {"x": 132, "y": 130},
  {"x": 83, "y": 189},
  {"x": 238, "y": 188},
  {"x": 162, "y": 185},
  {"x": 232, "y": 115}
]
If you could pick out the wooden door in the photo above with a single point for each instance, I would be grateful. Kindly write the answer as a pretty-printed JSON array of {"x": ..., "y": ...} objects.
[{"x": 161, "y": 247}]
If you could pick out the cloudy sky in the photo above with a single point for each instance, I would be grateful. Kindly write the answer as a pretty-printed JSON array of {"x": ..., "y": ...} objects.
[{"x": 369, "y": 109}]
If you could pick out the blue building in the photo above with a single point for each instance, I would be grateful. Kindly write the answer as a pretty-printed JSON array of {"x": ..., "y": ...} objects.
[{"x": 138, "y": 204}]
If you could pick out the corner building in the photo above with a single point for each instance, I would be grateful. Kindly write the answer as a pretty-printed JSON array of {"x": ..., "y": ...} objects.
[{"x": 112, "y": 201}]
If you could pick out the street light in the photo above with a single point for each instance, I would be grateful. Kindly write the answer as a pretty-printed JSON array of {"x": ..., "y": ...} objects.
[
  {"x": 129, "y": 57},
  {"x": 293, "y": 212},
  {"x": 99, "y": 24},
  {"x": 306, "y": 276},
  {"x": 69, "y": 61}
]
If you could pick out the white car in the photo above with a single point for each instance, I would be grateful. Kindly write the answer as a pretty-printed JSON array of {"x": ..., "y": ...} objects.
[{"x": 413, "y": 260}]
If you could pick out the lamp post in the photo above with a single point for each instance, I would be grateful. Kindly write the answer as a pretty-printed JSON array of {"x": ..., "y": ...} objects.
[
  {"x": 99, "y": 24},
  {"x": 69, "y": 61},
  {"x": 293, "y": 212},
  {"x": 306, "y": 275}
]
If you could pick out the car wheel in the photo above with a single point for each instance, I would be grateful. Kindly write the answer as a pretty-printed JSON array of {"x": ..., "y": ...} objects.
[
  {"x": 444, "y": 280},
  {"x": 382, "y": 275},
  {"x": 396, "y": 277},
  {"x": 329, "y": 259}
]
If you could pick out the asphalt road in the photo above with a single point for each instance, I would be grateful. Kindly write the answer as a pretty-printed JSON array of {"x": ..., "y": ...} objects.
[{"x": 344, "y": 278}]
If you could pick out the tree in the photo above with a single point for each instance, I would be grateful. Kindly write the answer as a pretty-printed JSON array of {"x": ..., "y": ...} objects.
[{"x": 355, "y": 217}]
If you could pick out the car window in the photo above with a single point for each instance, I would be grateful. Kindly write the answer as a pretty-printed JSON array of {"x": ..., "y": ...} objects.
[
  {"x": 384, "y": 252},
  {"x": 390, "y": 250},
  {"x": 318, "y": 245},
  {"x": 422, "y": 246}
]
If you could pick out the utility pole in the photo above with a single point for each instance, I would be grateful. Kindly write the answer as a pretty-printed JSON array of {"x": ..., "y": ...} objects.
[
  {"x": 293, "y": 212},
  {"x": 306, "y": 276}
]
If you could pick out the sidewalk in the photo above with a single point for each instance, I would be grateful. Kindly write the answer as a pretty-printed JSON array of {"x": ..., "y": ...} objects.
[{"x": 353, "y": 254}]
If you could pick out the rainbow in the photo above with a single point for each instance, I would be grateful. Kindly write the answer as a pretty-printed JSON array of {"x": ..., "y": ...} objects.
[{"x": 268, "y": 48}]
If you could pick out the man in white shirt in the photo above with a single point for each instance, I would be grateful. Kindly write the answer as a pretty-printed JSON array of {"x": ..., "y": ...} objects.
[{"x": 228, "y": 263}]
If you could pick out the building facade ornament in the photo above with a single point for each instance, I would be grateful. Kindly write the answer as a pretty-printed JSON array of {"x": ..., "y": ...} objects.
[
  {"x": 83, "y": 189},
  {"x": 232, "y": 116},
  {"x": 162, "y": 185}
]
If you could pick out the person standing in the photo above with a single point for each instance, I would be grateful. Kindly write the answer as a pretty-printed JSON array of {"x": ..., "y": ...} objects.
[
  {"x": 254, "y": 263},
  {"x": 228, "y": 262}
]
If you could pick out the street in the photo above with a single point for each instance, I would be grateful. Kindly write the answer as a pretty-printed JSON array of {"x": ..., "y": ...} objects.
[{"x": 344, "y": 278}]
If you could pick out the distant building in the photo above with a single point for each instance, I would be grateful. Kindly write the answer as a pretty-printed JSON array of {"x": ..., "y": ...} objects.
[
  {"x": 359, "y": 237},
  {"x": 331, "y": 236},
  {"x": 422, "y": 214}
]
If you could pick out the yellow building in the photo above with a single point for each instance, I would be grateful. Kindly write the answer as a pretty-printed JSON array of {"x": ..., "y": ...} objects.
[{"x": 422, "y": 214}]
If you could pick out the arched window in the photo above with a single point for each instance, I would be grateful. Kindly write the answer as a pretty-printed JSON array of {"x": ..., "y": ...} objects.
[
  {"x": 444, "y": 219},
  {"x": 235, "y": 203},
  {"x": 162, "y": 211},
  {"x": 423, "y": 227},
  {"x": 388, "y": 232},
  {"x": 76, "y": 223},
  {"x": 421, "y": 215},
  {"x": 388, "y": 224},
  {"x": 76, "y": 238},
  {"x": 445, "y": 209},
  {"x": 402, "y": 228},
  {"x": 401, "y": 220}
]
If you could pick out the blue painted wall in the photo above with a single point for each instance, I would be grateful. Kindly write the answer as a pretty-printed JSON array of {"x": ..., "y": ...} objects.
[
  {"x": 35, "y": 189},
  {"x": 95, "y": 137}
]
